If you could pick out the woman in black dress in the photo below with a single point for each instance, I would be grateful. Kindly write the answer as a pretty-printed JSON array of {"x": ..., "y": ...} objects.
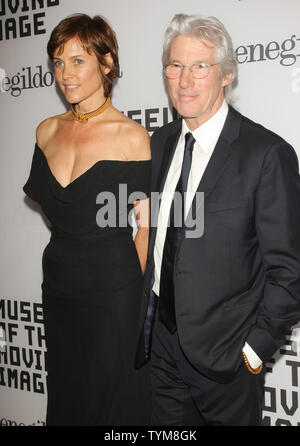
[{"x": 92, "y": 267}]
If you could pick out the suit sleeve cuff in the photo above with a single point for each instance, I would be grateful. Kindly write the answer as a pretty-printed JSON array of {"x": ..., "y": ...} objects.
[{"x": 252, "y": 357}]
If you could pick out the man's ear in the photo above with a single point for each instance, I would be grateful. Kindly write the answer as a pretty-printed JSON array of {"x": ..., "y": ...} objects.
[{"x": 226, "y": 79}]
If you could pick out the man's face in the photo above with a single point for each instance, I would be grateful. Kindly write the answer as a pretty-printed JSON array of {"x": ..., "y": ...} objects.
[{"x": 196, "y": 100}]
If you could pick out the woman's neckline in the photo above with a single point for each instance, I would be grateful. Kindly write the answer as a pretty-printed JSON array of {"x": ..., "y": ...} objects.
[{"x": 89, "y": 169}]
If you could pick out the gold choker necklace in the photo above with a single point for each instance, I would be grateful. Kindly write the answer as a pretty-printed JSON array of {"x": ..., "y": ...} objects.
[{"x": 84, "y": 117}]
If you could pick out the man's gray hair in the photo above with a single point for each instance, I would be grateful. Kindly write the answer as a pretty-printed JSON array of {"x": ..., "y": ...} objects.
[{"x": 207, "y": 29}]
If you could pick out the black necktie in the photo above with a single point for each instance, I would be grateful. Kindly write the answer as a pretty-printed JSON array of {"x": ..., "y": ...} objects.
[{"x": 173, "y": 236}]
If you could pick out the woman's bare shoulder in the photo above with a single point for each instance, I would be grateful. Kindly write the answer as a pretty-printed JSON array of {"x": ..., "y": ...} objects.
[
  {"x": 138, "y": 140},
  {"x": 47, "y": 128}
]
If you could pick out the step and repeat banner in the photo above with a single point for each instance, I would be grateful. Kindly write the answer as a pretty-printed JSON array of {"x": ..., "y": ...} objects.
[{"x": 266, "y": 36}]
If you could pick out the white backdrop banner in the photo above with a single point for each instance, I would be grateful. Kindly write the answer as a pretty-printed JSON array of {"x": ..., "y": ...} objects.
[{"x": 266, "y": 37}]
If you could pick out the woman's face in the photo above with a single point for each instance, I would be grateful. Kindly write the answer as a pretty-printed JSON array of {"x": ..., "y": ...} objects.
[{"x": 78, "y": 75}]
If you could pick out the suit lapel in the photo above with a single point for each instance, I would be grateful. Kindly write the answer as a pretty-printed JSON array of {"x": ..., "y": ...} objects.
[
  {"x": 222, "y": 153},
  {"x": 217, "y": 163}
]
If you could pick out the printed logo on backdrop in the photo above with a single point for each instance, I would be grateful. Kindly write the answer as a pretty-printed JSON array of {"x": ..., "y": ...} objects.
[
  {"x": 23, "y": 18},
  {"x": 152, "y": 118},
  {"x": 22, "y": 346},
  {"x": 27, "y": 78},
  {"x": 7, "y": 422},
  {"x": 285, "y": 52},
  {"x": 281, "y": 405}
]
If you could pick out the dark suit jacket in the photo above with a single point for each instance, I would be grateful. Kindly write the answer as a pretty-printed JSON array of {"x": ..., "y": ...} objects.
[{"x": 240, "y": 281}]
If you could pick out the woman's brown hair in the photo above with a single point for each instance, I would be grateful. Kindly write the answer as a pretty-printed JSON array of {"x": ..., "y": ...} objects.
[{"x": 95, "y": 35}]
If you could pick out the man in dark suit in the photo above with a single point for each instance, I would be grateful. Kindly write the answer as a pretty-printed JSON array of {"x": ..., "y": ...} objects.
[{"x": 218, "y": 305}]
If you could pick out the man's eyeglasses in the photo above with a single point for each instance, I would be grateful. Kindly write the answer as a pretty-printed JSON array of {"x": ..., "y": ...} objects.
[{"x": 199, "y": 70}]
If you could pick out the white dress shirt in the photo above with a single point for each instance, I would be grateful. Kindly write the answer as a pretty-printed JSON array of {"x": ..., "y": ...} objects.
[{"x": 206, "y": 137}]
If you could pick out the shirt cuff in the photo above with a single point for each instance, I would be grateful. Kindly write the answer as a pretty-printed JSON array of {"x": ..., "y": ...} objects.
[{"x": 252, "y": 357}]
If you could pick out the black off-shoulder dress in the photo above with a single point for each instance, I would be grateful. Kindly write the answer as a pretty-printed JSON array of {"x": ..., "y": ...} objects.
[{"x": 91, "y": 290}]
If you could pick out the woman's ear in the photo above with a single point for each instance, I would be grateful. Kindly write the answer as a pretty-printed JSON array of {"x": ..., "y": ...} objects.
[{"x": 108, "y": 63}]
